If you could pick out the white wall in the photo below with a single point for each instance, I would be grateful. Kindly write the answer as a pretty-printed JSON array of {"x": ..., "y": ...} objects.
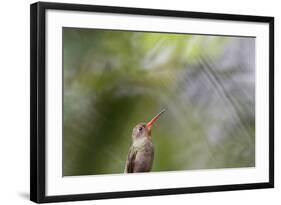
[{"x": 14, "y": 100}]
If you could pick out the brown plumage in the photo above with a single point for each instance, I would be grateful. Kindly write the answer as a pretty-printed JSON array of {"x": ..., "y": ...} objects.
[{"x": 141, "y": 153}]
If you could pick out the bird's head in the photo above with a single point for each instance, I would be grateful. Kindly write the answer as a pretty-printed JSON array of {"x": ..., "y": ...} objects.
[{"x": 143, "y": 130}]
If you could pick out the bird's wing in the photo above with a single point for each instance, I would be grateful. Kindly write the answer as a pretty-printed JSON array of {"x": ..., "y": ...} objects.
[{"x": 129, "y": 167}]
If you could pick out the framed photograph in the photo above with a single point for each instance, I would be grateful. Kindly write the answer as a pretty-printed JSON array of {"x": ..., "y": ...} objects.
[{"x": 129, "y": 102}]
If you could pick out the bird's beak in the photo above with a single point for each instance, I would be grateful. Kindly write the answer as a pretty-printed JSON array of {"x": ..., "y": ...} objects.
[{"x": 151, "y": 122}]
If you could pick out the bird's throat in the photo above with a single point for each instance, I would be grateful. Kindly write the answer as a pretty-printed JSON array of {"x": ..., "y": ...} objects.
[{"x": 140, "y": 142}]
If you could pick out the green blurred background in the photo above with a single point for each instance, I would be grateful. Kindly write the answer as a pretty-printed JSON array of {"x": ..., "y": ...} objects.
[{"x": 116, "y": 79}]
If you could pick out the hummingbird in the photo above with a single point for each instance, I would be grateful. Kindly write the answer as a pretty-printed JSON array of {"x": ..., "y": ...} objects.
[{"x": 141, "y": 152}]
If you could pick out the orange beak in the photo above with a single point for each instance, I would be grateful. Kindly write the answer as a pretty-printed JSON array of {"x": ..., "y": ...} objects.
[{"x": 151, "y": 122}]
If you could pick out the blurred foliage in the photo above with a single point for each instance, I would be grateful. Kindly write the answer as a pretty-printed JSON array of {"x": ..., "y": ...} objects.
[{"x": 116, "y": 79}]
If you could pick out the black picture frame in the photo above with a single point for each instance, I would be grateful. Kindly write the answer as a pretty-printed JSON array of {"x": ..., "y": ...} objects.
[{"x": 38, "y": 101}]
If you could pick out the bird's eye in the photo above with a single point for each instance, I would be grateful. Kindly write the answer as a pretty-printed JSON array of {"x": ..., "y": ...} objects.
[{"x": 140, "y": 128}]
